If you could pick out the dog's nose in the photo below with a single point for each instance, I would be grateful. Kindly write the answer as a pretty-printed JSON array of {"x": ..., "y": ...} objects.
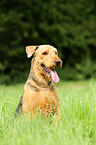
[{"x": 57, "y": 62}]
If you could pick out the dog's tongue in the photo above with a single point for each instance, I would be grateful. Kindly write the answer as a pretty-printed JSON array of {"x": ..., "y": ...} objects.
[{"x": 54, "y": 75}]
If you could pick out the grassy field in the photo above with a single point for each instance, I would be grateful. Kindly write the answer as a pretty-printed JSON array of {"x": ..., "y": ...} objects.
[{"x": 76, "y": 127}]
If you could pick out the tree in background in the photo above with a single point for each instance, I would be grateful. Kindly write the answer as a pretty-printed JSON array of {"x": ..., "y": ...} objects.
[{"x": 68, "y": 25}]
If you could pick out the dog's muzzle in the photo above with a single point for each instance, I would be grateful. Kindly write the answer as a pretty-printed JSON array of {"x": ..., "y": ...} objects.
[{"x": 51, "y": 72}]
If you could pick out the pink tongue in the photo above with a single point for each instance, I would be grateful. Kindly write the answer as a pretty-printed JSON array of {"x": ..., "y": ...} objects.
[{"x": 54, "y": 75}]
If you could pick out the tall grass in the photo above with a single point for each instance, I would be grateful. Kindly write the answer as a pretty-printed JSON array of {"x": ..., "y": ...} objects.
[{"x": 76, "y": 127}]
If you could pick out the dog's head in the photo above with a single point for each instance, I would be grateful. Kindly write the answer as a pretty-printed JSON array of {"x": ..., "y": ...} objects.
[{"x": 46, "y": 60}]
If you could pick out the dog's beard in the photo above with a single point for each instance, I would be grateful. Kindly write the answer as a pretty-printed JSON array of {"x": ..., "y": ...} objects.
[{"x": 52, "y": 73}]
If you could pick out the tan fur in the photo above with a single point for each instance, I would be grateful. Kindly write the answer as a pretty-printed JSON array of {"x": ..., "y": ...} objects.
[{"x": 40, "y": 94}]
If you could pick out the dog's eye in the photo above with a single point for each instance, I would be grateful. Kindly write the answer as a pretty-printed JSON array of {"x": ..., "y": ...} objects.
[
  {"x": 56, "y": 53},
  {"x": 44, "y": 53}
]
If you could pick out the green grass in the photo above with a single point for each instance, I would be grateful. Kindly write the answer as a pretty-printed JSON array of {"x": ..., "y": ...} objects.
[{"x": 76, "y": 127}]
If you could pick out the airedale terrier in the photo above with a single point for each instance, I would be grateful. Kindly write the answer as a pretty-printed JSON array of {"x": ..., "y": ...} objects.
[{"x": 40, "y": 94}]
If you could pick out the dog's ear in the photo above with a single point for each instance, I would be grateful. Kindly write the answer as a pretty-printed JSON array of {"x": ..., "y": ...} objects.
[{"x": 30, "y": 50}]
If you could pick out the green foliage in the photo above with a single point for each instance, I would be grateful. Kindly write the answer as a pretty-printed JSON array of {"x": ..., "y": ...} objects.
[{"x": 69, "y": 25}]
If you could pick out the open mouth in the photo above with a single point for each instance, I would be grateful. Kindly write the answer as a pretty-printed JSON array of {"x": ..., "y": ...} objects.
[
  {"x": 47, "y": 70},
  {"x": 52, "y": 73}
]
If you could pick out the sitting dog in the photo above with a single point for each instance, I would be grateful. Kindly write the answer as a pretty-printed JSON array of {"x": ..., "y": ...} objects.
[{"x": 40, "y": 94}]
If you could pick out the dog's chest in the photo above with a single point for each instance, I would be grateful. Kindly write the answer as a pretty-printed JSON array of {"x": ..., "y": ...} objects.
[{"x": 44, "y": 100}]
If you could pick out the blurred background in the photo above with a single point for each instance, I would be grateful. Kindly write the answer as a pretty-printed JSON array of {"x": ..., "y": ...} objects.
[{"x": 68, "y": 25}]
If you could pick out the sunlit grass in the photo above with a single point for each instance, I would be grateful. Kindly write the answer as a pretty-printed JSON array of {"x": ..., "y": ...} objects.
[{"x": 76, "y": 127}]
